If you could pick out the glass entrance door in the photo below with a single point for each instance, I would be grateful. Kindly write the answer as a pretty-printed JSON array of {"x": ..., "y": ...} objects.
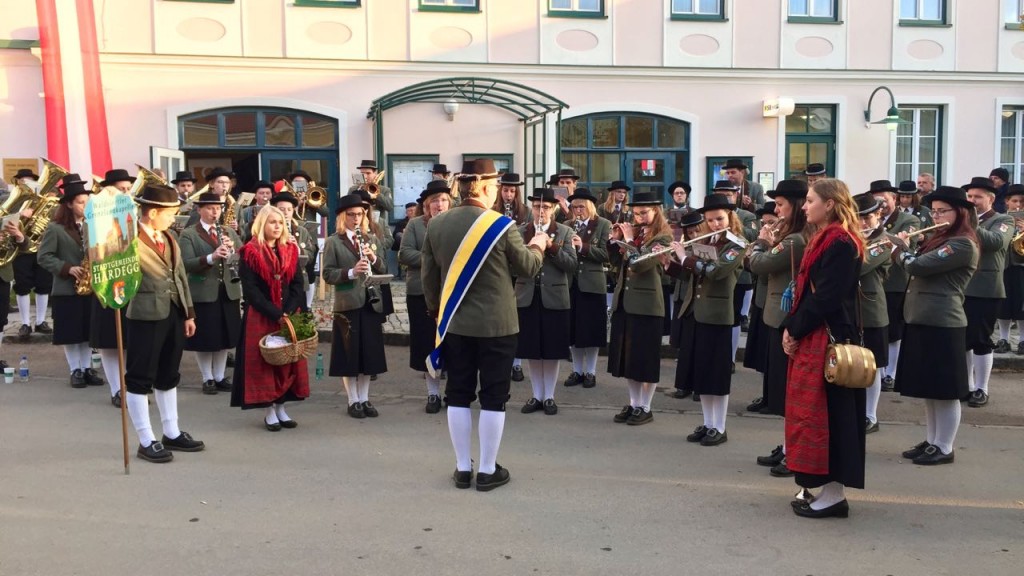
[
  {"x": 649, "y": 172},
  {"x": 321, "y": 166}
]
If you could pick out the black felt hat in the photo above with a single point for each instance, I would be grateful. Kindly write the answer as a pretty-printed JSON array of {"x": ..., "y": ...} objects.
[
  {"x": 262, "y": 184},
  {"x": 789, "y": 189},
  {"x": 371, "y": 164},
  {"x": 26, "y": 173},
  {"x": 284, "y": 196},
  {"x": 116, "y": 175},
  {"x": 866, "y": 204},
  {"x": 691, "y": 219},
  {"x": 299, "y": 174},
  {"x": 568, "y": 173},
  {"x": 546, "y": 195},
  {"x": 815, "y": 169},
  {"x": 439, "y": 169},
  {"x": 183, "y": 176},
  {"x": 680, "y": 184},
  {"x": 434, "y": 187},
  {"x": 734, "y": 163},
  {"x": 982, "y": 183},
  {"x": 217, "y": 173},
  {"x": 907, "y": 188},
  {"x": 72, "y": 185},
  {"x": 478, "y": 169},
  {"x": 351, "y": 201},
  {"x": 725, "y": 185},
  {"x": 645, "y": 199},
  {"x": 208, "y": 198},
  {"x": 716, "y": 202},
  {"x": 881, "y": 186},
  {"x": 1015, "y": 190},
  {"x": 510, "y": 179},
  {"x": 950, "y": 195},
  {"x": 583, "y": 194},
  {"x": 158, "y": 196},
  {"x": 618, "y": 185},
  {"x": 768, "y": 208}
]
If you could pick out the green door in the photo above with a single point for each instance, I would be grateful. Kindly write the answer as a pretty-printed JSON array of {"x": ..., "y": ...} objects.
[
  {"x": 810, "y": 138},
  {"x": 321, "y": 166}
]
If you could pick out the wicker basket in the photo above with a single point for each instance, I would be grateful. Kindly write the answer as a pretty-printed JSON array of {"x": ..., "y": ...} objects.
[{"x": 291, "y": 353}]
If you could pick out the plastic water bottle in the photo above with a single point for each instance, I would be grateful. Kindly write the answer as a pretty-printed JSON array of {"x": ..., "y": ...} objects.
[
  {"x": 319, "y": 365},
  {"x": 23, "y": 369}
]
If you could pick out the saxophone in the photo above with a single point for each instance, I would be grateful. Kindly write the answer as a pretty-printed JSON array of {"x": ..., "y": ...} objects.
[
  {"x": 83, "y": 285},
  {"x": 229, "y": 212}
]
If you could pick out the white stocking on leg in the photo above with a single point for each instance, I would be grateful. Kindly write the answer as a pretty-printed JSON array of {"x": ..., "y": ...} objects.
[
  {"x": 982, "y": 371},
  {"x": 721, "y": 404},
  {"x": 947, "y": 421},
  {"x": 873, "y": 393},
  {"x": 25, "y": 309},
  {"x": 577, "y": 355},
  {"x": 460, "y": 428},
  {"x": 831, "y": 494},
  {"x": 205, "y": 362},
  {"x": 41, "y": 301},
  {"x": 537, "y": 378},
  {"x": 71, "y": 356},
  {"x": 167, "y": 402},
  {"x": 84, "y": 355},
  {"x": 930, "y": 420},
  {"x": 970, "y": 371},
  {"x": 111, "y": 369},
  {"x": 550, "y": 378},
  {"x": 281, "y": 414},
  {"x": 351, "y": 389},
  {"x": 707, "y": 408},
  {"x": 590, "y": 364},
  {"x": 1004, "y": 329},
  {"x": 364, "y": 387},
  {"x": 138, "y": 409},
  {"x": 491, "y": 428},
  {"x": 635, "y": 393},
  {"x": 433, "y": 385},
  {"x": 647, "y": 389},
  {"x": 219, "y": 363},
  {"x": 270, "y": 415},
  {"x": 735, "y": 341},
  {"x": 894, "y": 354}
]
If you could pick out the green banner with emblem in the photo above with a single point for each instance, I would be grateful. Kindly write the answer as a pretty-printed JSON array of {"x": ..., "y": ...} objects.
[{"x": 113, "y": 260}]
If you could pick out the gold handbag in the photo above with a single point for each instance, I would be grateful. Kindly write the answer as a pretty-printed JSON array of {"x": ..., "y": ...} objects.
[{"x": 849, "y": 365}]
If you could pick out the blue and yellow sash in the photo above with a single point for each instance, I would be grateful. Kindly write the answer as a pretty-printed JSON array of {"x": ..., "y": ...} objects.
[{"x": 478, "y": 243}]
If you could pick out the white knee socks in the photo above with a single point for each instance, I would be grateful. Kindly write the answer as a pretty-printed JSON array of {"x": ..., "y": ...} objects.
[
  {"x": 205, "y": 361},
  {"x": 590, "y": 362},
  {"x": 1004, "y": 329},
  {"x": 41, "y": 301},
  {"x": 111, "y": 369},
  {"x": 351, "y": 389},
  {"x": 550, "y": 378},
  {"x": 707, "y": 409},
  {"x": 219, "y": 363},
  {"x": 460, "y": 428},
  {"x": 578, "y": 357},
  {"x": 282, "y": 416},
  {"x": 947, "y": 422},
  {"x": 138, "y": 409},
  {"x": 894, "y": 355},
  {"x": 635, "y": 393},
  {"x": 831, "y": 494},
  {"x": 929, "y": 421},
  {"x": 970, "y": 371},
  {"x": 735, "y": 341},
  {"x": 715, "y": 409},
  {"x": 24, "y": 308},
  {"x": 491, "y": 427},
  {"x": 85, "y": 355},
  {"x": 310, "y": 292},
  {"x": 270, "y": 415},
  {"x": 516, "y": 363},
  {"x": 364, "y": 387},
  {"x": 537, "y": 378},
  {"x": 71, "y": 355},
  {"x": 433, "y": 385},
  {"x": 745, "y": 307},
  {"x": 647, "y": 394},
  {"x": 982, "y": 371},
  {"x": 873, "y": 393},
  {"x": 167, "y": 403}
]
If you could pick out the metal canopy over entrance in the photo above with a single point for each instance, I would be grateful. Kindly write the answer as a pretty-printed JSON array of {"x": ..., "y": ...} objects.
[{"x": 530, "y": 105}]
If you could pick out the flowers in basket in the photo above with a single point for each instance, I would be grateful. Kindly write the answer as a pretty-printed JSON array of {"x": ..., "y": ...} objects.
[{"x": 304, "y": 325}]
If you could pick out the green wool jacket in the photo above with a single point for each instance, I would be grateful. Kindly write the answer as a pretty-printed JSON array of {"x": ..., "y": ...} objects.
[
  {"x": 874, "y": 312},
  {"x": 164, "y": 281},
  {"x": 593, "y": 256},
  {"x": 712, "y": 284},
  {"x": 938, "y": 279},
  {"x": 340, "y": 256},
  {"x": 639, "y": 285},
  {"x": 59, "y": 249},
  {"x": 556, "y": 272},
  {"x": 205, "y": 280},
  {"x": 994, "y": 234},
  {"x": 777, "y": 264}
]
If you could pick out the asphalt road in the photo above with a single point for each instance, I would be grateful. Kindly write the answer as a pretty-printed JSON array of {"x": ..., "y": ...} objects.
[{"x": 341, "y": 496}]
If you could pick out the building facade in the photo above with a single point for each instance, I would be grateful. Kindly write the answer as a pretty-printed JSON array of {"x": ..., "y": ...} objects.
[{"x": 647, "y": 91}]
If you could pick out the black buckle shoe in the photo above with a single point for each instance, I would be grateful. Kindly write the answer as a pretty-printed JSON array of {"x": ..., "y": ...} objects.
[
  {"x": 1001, "y": 347},
  {"x": 756, "y": 405},
  {"x": 1020, "y": 349},
  {"x": 488, "y": 482},
  {"x": 639, "y": 417},
  {"x": 772, "y": 459},
  {"x": 869, "y": 426},
  {"x": 223, "y": 385},
  {"x": 462, "y": 479},
  {"x": 915, "y": 451},
  {"x": 183, "y": 443},
  {"x": 78, "y": 379},
  {"x": 780, "y": 470},
  {"x": 840, "y": 509},
  {"x": 678, "y": 393},
  {"x": 24, "y": 333},
  {"x": 116, "y": 399},
  {"x": 888, "y": 384},
  {"x": 92, "y": 378},
  {"x": 517, "y": 374},
  {"x": 209, "y": 387},
  {"x": 44, "y": 328},
  {"x": 433, "y": 404},
  {"x": 369, "y": 410},
  {"x": 550, "y": 408},
  {"x": 154, "y": 453},
  {"x": 356, "y": 411},
  {"x": 532, "y": 405},
  {"x": 714, "y": 438},
  {"x": 574, "y": 379},
  {"x": 589, "y": 380},
  {"x": 933, "y": 456},
  {"x": 698, "y": 434},
  {"x": 978, "y": 399},
  {"x": 623, "y": 414}
]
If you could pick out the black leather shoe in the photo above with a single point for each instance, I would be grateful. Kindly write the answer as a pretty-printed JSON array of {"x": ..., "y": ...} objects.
[
  {"x": 870, "y": 427},
  {"x": 772, "y": 459},
  {"x": 116, "y": 399},
  {"x": 209, "y": 387},
  {"x": 532, "y": 405},
  {"x": 223, "y": 385},
  {"x": 154, "y": 453},
  {"x": 589, "y": 380},
  {"x": 639, "y": 417},
  {"x": 289, "y": 424},
  {"x": 888, "y": 384},
  {"x": 92, "y": 378},
  {"x": 698, "y": 434},
  {"x": 231, "y": 360},
  {"x": 356, "y": 410},
  {"x": 802, "y": 497},
  {"x": 978, "y": 399},
  {"x": 488, "y": 482},
  {"x": 780, "y": 470},
  {"x": 373, "y": 377},
  {"x": 433, "y": 404},
  {"x": 678, "y": 393},
  {"x": 744, "y": 324},
  {"x": 183, "y": 443},
  {"x": 1001, "y": 347},
  {"x": 550, "y": 408},
  {"x": 1020, "y": 349},
  {"x": 275, "y": 427},
  {"x": 369, "y": 410},
  {"x": 756, "y": 405},
  {"x": 462, "y": 479},
  {"x": 695, "y": 397},
  {"x": 915, "y": 451},
  {"x": 574, "y": 379},
  {"x": 840, "y": 509},
  {"x": 24, "y": 333},
  {"x": 78, "y": 379},
  {"x": 714, "y": 438},
  {"x": 623, "y": 414},
  {"x": 517, "y": 374},
  {"x": 44, "y": 328},
  {"x": 4, "y": 364},
  {"x": 933, "y": 456}
]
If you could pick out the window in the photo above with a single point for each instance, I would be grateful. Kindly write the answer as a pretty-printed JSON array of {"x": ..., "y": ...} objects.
[
  {"x": 576, "y": 8},
  {"x": 922, "y": 12},
  {"x": 274, "y": 128},
  {"x": 329, "y": 3},
  {"x": 1011, "y": 142},
  {"x": 810, "y": 138},
  {"x": 918, "y": 145},
  {"x": 813, "y": 10},
  {"x": 1014, "y": 15},
  {"x": 697, "y": 10},
  {"x": 449, "y": 5}
]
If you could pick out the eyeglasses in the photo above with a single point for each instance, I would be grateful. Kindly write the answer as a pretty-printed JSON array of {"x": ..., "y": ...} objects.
[{"x": 941, "y": 211}]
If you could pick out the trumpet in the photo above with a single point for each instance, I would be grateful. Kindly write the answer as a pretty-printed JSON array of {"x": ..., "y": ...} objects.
[
  {"x": 372, "y": 292},
  {"x": 373, "y": 187},
  {"x": 885, "y": 241}
]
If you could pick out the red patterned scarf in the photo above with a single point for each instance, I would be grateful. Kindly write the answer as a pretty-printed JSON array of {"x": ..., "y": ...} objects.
[
  {"x": 275, "y": 267},
  {"x": 821, "y": 241}
]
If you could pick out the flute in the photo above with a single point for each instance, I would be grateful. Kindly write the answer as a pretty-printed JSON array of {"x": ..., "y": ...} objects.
[{"x": 885, "y": 241}]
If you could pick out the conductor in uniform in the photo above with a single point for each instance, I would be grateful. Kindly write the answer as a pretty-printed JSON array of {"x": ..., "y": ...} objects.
[{"x": 480, "y": 339}]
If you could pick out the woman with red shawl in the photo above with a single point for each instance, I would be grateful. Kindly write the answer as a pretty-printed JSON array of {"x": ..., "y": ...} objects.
[
  {"x": 824, "y": 422},
  {"x": 272, "y": 287}
]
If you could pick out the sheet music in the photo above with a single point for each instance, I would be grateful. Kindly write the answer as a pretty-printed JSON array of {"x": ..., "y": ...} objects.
[{"x": 705, "y": 252}]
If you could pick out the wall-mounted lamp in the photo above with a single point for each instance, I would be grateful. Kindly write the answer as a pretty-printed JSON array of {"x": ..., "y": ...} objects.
[
  {"x": 450, "y": 108},
  {"x": 892, "y": 117}
]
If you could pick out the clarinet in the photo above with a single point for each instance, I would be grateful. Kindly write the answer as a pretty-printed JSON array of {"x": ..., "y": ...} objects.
[
  {"x": 577, "y": 228},
  {"x": 508, "y": 210},
  {"x": 372, "y": 292},
  {"x": 230, "y": 263}
]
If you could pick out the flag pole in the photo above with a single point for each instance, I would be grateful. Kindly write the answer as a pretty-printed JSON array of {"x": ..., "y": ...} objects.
[{"x": 124, "y": 397}]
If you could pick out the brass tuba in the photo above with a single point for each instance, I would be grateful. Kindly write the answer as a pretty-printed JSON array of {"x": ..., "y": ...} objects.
[
  {"x": 42, "y": 202},
  {"x": 146, "y": 177},
  {"x": 1017, "y": 243},
  {"x": 315, "y": 197}
]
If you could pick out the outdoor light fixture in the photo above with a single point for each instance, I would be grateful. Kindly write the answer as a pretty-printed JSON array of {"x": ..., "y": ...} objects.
[
  {"x": 450, "y": 108},
  {"x": 892, "y": 117}
]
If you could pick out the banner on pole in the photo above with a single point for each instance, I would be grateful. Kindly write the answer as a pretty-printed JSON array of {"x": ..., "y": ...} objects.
[{"x": 113, "y": 260}]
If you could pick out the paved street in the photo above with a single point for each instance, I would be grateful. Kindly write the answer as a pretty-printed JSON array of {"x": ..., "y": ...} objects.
[{"x": 341, "y": 496}]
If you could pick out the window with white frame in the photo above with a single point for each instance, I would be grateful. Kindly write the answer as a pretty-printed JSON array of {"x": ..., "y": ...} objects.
[
  {"x": 576, "y": 7},
  {"x": 814, "y": 9},
  {"x": 933, "y": 11},
  {"x": 704, "y": 8},
  {"x": 1014, "y": 15},
  {"x": 919, "y": 143},
  {"x": 329, "y": 3},
  {"x": 1011, "y": 142},
  {"x": 450, "y": 4}
]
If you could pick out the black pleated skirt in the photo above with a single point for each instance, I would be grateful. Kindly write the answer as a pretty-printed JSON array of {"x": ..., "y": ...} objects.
[
  {"x": 776, "y": 373},
  {"x": 894, "y": 308},
  {"x": 103, "y": 327},
  {"x": 543, "y": 333},
  {"x": 666, "y": 296},
  {"x": 588, "y": 321},
  {"x": 877, "y": 340},
  {"x": 755, "y": 353},
  {"x": 932, "y": 363},
  {"x": 704, "y": 364},
  {"x": 218, "y": 325},
  {"x": 357, "y": 346},
  {"x": 846, "y": 445},
  {"x": 634, "y": 347},
  {"x": 1012, "y": 307},
  {"x": 422, "y": 332},
  {"x": 70, "y": 319}
]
